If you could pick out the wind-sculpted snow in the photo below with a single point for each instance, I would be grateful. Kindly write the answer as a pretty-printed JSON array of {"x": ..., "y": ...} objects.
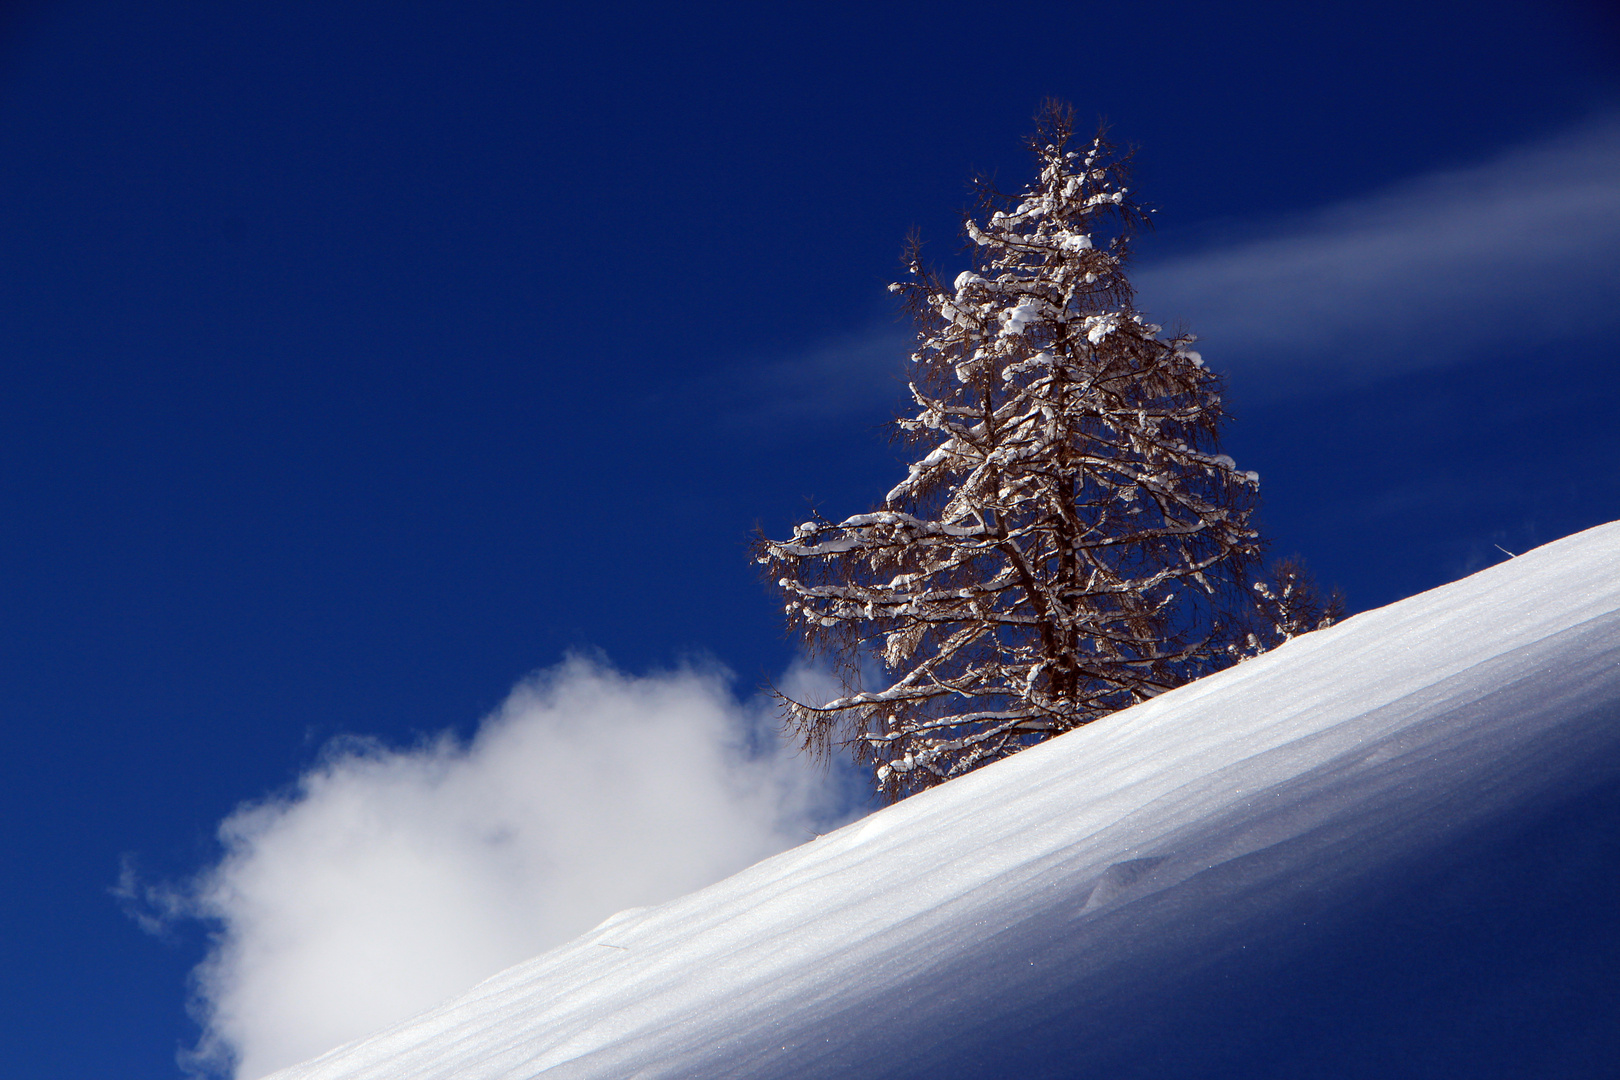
[{"x": 1386, "y": 849}]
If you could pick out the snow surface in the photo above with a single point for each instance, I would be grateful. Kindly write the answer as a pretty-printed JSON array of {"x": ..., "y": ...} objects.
[{"x": 1390, "y": 848}]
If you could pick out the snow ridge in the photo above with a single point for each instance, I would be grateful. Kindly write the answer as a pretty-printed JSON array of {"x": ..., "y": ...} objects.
[{"x": 1388, "y": 848}]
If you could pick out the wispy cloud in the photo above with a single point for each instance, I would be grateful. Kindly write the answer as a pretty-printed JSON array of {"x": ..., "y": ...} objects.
[
  {"x": 1517, "y": 252},
  {"x": 836, "y": 379},
  {"x": 389, "y": 879}
]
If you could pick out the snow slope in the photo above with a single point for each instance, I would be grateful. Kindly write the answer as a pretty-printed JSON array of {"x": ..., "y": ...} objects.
[{"x": 1387, "y": 849}]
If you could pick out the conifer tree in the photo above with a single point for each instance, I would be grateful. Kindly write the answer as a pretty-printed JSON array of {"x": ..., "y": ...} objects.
[{"x": 1060, "y": 547}]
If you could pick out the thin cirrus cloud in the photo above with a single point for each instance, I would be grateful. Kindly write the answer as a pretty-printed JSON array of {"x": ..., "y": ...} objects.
[
  {"x": 1520, "y": 251},
  {"x": 856, "y": 375},
  {"x": 389, "y": 879},
  {"x": 1517, "y": 252}
]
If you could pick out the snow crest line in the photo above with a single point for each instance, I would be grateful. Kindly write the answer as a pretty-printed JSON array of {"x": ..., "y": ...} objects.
[{"x": 1350, "y": 856}]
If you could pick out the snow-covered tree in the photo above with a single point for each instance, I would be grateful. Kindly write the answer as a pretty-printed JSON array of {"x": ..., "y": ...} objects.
[{"x": 1069, "y": 525}]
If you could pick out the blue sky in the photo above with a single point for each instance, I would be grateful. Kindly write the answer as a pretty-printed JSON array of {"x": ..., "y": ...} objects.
[{"x": 360, "y": 360}]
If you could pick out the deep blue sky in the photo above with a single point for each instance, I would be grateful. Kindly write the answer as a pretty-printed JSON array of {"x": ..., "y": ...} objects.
[{"x": 356, "y": 360}]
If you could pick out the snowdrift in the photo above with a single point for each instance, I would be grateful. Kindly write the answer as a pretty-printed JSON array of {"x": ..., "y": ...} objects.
[{"x": 1387, "y": 849}]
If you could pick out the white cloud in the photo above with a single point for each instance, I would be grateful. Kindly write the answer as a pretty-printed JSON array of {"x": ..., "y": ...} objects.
[
  {"x": 389, "y": 879},
  {"x": 1520, "y": 251}
]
